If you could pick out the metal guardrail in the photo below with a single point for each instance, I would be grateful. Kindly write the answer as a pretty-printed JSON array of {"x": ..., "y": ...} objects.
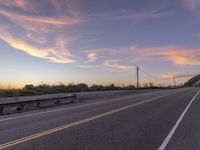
[{"x": 20, "y": 104}]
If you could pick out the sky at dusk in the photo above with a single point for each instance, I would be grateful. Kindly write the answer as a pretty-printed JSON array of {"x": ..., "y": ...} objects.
[{"x": 98, "y": 41}]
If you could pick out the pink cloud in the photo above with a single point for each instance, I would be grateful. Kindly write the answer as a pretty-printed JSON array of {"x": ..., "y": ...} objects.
[
  {"x": 193, "y": 5},
  {"x": 40, "y": 19},
  {"x": 177, "y": 56},
  {"x": 176, "y": 75},
  {"x": 116, "y": 65},
  {"x": 34, "y": 40},
  {"x": 111, "y": 57},
  {"x": 22, "y": 4},
  {"x": 52, "y": 54},
  {"x": 92, "y": 56}
]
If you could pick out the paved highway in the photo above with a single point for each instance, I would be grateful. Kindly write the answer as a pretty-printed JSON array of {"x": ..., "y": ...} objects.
[{"x": 155, "y": 120}]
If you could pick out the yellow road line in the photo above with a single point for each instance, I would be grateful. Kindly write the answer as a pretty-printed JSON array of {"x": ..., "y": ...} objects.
[{"x": 50, "y": 131}]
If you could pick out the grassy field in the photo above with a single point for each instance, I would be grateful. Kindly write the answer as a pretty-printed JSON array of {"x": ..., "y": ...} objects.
[{"x": 70, "y": 88}]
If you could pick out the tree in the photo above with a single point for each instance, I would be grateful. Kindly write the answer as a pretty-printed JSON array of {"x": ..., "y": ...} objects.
[
  {"x": 29, "y": 87},
  {"x": 82, "y": 86},
  {"x": 151, "y": 85}
]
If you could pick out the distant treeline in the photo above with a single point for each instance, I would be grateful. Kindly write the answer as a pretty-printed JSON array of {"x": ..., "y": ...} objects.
[{"x": 62, "y": 88}]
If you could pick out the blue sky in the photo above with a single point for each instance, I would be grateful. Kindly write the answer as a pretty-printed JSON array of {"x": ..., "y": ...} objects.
[{"x": 98, "y": 42}]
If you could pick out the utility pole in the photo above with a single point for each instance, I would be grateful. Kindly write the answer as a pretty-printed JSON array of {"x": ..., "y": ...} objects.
[
  {"x": 137, "y": 77},
  {"x": 174, "y": 80}
]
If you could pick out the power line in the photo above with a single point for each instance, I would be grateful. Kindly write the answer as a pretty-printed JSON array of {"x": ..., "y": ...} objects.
[{"x": 150, "y": 75}]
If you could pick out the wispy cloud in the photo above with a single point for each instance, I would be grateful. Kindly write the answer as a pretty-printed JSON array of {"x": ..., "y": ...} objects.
[
  {"x": 116, "y": 65},
  {"x": 22, "y": 4},
  {"x": 92, "y": 56},
  {"x": 51, "y": 54},
  {"x": 176, "y": 75},
  {"x": 177, "y": 56},
  {"x": 115, "y": 57},
  {"x": 33, "y": 36},
  {"x": 35, "y": 30},
  {"x": 40, "y": 19},
  {"x": 132, "y": 16},
  {"x": 57, "y": 4},
  {"x": 193, "y": 5},
  {"x": 184, "y": 57},
  {"x": 141, "y": 15},
  {"x": 70, "y": 6}
]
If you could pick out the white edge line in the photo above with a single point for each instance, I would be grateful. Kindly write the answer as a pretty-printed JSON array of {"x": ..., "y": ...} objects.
[
  {"x": 61, "y": 109},
  {"x": 171, "y": 133},
  {"x": 53, "y": 130}
]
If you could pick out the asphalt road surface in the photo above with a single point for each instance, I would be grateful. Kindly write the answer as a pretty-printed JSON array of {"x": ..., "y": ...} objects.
[{"x": 155, "y": 120}]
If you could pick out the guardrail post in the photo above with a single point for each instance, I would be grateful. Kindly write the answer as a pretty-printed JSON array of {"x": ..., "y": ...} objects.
[
  {"x": 20, "y": 107},
  {"x": 58, "y": 101},
  {"x": 1, "y": 110},
  {"x": 71, "y": 100},
  {"x": 38, "y": 103}
]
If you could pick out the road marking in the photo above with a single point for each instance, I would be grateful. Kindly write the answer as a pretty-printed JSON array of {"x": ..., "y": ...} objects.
[
  {"x": 61, "y": 109},
  {"x": 171, "y": 133},
  {"x": 50, "y": 131}
]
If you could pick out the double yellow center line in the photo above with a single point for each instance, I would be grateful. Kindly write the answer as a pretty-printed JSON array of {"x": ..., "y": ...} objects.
[{"x": 50, "y": 131}]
